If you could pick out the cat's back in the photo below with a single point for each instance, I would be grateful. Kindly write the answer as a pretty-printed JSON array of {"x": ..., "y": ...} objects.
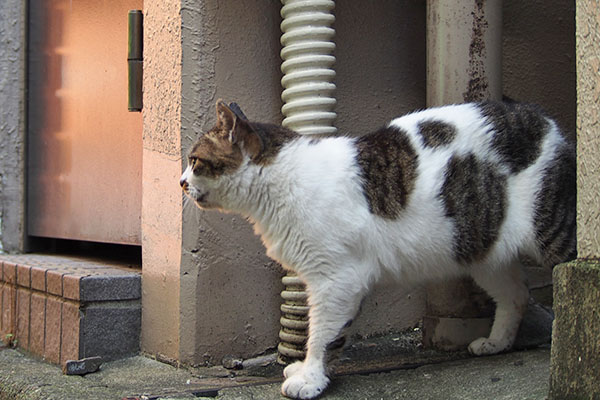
[{"x": 502, "y": 174}]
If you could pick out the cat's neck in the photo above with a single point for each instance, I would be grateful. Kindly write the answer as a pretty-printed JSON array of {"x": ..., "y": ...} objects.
[{"x": 257, "y": 191}]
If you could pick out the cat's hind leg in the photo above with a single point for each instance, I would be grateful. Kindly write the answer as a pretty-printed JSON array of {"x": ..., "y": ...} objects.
[
  {"x": 508, "y": 288},
  {"x": 333, "y": 305}
]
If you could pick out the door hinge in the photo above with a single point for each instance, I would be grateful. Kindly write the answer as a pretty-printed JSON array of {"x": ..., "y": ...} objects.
[{"x": 135, "y": 59}]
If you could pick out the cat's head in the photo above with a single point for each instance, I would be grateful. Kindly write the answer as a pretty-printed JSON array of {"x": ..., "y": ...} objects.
[{"x": 218, "y": 154}]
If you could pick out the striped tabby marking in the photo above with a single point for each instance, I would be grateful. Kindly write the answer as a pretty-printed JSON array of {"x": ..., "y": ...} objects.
[
  {"x": 436, "y": 133},
  {"x": 555, "y": 209},
  {"x": 388, "y": 165},
  {"x": 518, "y": 131},
  {"x": 474, "y": 196}
]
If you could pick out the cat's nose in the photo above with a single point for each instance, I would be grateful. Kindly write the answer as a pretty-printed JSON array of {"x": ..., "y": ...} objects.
[{"x": 182, "y": 182}]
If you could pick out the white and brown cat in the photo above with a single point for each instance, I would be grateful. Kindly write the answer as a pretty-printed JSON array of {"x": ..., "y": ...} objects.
[{"x": 460, "y": 190}]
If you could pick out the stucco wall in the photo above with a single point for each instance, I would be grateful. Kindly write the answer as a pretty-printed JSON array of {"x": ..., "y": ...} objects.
[
  {"x": 539, "y": 56},
  {"x": 588, "y": 131},
  {"x": 228, "y": 293},
  {"x": 380, "y": 67},
  {"x": 161, "y": 196},
  {"x": 230, "y": 289},
  {"x": 12, "y": 125}
]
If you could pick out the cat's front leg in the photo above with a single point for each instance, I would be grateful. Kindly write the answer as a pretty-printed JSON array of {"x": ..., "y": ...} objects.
[
  {"x": 508, "y": 288},
  {"x": 333, "y": 306}
]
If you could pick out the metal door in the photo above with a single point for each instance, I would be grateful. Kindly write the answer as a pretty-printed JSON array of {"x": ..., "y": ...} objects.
[{"x": 84, "y": 147}]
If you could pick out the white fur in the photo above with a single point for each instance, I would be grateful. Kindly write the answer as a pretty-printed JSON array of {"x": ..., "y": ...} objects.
[{"x": 310, "y": 210}]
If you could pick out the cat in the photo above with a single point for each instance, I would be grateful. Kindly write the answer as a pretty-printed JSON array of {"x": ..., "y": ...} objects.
[{"x": 458, "y": 190}]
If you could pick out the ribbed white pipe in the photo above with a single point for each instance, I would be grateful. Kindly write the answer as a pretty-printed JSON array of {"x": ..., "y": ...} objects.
[{"x": 307, "y": 66}]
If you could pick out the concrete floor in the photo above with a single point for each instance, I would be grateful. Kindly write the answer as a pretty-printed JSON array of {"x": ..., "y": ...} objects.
[{"x": 391, "y": 367}]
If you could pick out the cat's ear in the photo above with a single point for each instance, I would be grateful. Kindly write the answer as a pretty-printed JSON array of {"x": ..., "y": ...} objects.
[
  {"x": 244, "y": 134},
  {"x": 239, "y": 130},
  {"x": 225, "y": 117}
]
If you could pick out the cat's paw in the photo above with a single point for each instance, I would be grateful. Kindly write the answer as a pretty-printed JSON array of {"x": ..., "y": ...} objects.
[
  {"x": 292, "y": 369},
  {"x": 485, "y": 346},
  {"x": 302, "y": 385}
]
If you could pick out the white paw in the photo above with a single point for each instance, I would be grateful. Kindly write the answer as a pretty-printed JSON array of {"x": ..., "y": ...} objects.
[
  {"x": 485, "y": 346},
  {"x": 292, "y": 369},
  {"x": 302, "y": 385}
]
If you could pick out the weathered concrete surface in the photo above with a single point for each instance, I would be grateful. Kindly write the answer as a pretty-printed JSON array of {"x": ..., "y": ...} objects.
[
  {"x": 231, "y": 51},
  {"x": 511, "y": 376},
  {"x": 12, "y": 124},
  {"x": 538, "y": 56},
  {"x": 576, "y": 337},
  {"x": 588, "y": 131},
  {"x": 161, "y": 197},
  {"x": 518, "y": 375}
]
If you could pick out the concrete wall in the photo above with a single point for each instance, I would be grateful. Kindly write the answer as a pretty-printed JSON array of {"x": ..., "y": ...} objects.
[
  {"x": 12, "y": 125},
  {"x": 575, "y": 355},
  {"x": 161, "y": 196},
  {"x": 588, "y": 133},
  {"x": 208, "y": 288},
  {"x": 230, "y": 289},
  {"x": 539, "y": 56},
  {"x": 227, "y": 299}
]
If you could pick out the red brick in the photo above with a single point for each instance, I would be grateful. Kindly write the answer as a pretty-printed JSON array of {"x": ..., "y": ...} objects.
[
  {"x": 53, "y": 327},
  {"x": 38, "y": 278},
  {"x": 71, "y": 323},
  {"x": 71, "y": 286},
  {"x": 23, "y": 309},
  {"x": 8, "y": 310},
  {"x": 10, "y": 272},
  {"x": 23, "y": 276},
  {"x": 37, "y": 324},
  {"x": 54, "y": 281},
  {"x": 1, "y": 306}
]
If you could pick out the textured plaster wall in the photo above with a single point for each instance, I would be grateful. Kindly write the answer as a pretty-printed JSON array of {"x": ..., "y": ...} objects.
[
  {"x": 380, "y": 51},
  {"x": 539, "y": 56},
  {"x": 161, "y": 196},
  {"x": 380, "y": 67},
  {"x": 230, "y": 289},
  {"x": 588, "y": 129},
  {"x": 12, "y": 124},
  {"x": 231, "y": 51},
  {"x": 211, "y": 289}
]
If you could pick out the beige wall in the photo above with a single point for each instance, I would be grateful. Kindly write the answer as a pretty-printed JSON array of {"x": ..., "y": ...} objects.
[
  {"x": 588, "y": 131},
  {"x": 161, "y": 196},
  {"x": 209, "y": 290},
  {"x": 539, "y": 56},
  {"x": 230, "y": 289}
]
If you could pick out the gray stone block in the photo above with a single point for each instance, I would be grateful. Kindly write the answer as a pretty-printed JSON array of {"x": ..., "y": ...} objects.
[
  {"x": 111, "y": 330},
  {"x": 110, "y": 287}
]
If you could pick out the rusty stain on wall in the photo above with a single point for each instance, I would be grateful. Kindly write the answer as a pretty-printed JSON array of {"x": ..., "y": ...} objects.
[{"x": 477, "y": 85}]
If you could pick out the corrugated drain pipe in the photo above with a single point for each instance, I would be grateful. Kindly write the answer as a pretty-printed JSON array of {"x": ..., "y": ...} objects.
[{"x": 308, "y": 109}]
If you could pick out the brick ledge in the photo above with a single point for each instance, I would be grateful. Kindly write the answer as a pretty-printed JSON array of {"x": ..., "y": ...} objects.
[{"x": 67, "y": 308}]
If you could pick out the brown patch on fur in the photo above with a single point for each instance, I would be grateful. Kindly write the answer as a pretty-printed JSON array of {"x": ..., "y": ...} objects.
[
  {"x": 388, "y": 163},
  {"x": 518, "y": 130},
  {"x": 273, "y": 138},
  {"x": 474, "y": 196},
  {"x": 221, "y": 150},
  {"x": 555, "y": 208},
  {"x": 436, "y": 133},
  {"x": 214, "y": 155}
]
